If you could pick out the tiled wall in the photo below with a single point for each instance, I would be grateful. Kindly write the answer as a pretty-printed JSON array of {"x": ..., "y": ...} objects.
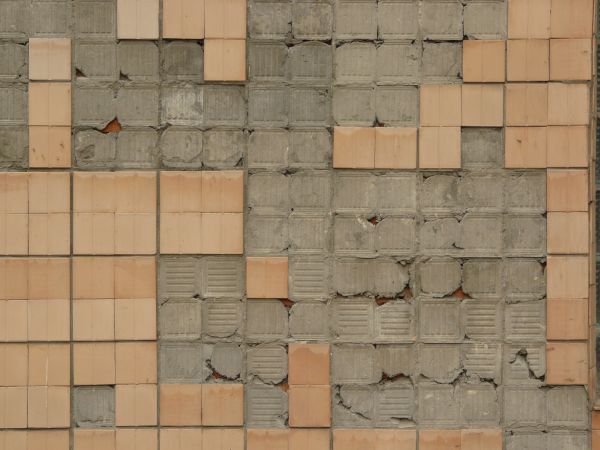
[{"x": 296, "y": 224}]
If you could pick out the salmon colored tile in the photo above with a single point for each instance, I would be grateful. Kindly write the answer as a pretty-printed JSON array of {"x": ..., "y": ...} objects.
[
  {"x": 48, "y": 406},
  {"x": 94, "y": 320},
  {"x": 13, "y": 192},
  {"x": 135, "y": 319},
  {"x": 48, "y": 279},
  {"x": 13, "y": 318},
  {"x": 484, "y": 61},
  {"x": 94, "y": 364},
  {"x": 225, "y": 19},
  {"x": 567, "y": 277},
  {"x": 225, "y": 59},
  {"x": 440, "y": 105},
  {"x": 231, "y": 237},
  {"x": 525, "y": 147},
  {"x": 223, "y": 404},
  {"x": 353, "y": 439},
  {"x": 135, "y": 405},
  {"x": 48, "y": 440},
  {"x": 183, "y": 19},
  {"x": 265, "y": 439},
  {"x": 135, "y": 363},
  {"x": 595, "y": 439},
  {"x": 354, "y": 147},
  {"x": 180, "y": 233},
  {"x": 135, "y": 192},
  {"x": 567, "y": 363},
  {"x": 135, "y": 233},
  {"x": 479, "y": 439},
  {"x": 220, "y": 233},
  {"x": 180, "y": 192},
  {"x": 50, "y": 59},
  {"x": 571, "y": 19},
  {"x": 50, "y": 104},
  {"x": 567, "y": 190},
  {"x": 135, "y": 277},
  {"x": 181, "y": 439},
  {"x": 395, "y": 148},
  {"x": 308, "y": 364},
  {"x": 17, "y": 271},
  {"x": 439, "y": 148},
  {"x": 223, "y": 191},
  {"x": 49, "y": 365},
  {"x": 94, "y": 233},
  {"x": 48, "y": 320},
  {"x": 568, "y": 233},
  {"x": 13, "y": 364},
  {"x": 93, "y": 277},
  {"x": 224, "y": 439},
  {"x": 309, "y": 438},
  {"x": 14, "y": 440},
  {"x": 49, "y": 234},
  {"x": 136, "y": 439},
  {"x": 266, "y": 277},
  {"x": 14, "y": 234},
  {"x": 567, "y": 319},
  {"x": 528, "y": 60},
  {"x": 13, "y": 213},
  {"x": 49, "y": 147},
  {"x": 13, "y": 407},
  {"x": 568, "y": 104},
  {"x": 568, "y": 146},
  {"x": 389, "y": 439},
  {"x": 526, "y": 104},
  {"x": 94, "y": 439},
  {"x": 94, "y": 192},
  {"x": 180, "y": 404},
  {"x": 596, "y": 420},
  {"x": 137, "y": 19},
  {"x": 49, "y": 192},
  {"x": 570, "y": 59},
  {"x": 309, "y": 406},
  {"x": 439, "y": 440},
  {"x": 529, "y": 19},
  {"x": 483, "y": 105}
]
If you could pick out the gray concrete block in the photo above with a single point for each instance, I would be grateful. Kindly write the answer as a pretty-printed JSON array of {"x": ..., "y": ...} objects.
[
  {"x": 395, "y": 404},
  {"x": 268, "y": 362},
  {"x": 481, "y": 148},
  {"x": 485, "y": 19},
  {"x": 181, "y": 148},
  {"x": 483, "y": 361},
  {"x": 352, "y": 320},
  {"x": 397, "y": 105},
  {"x": 524, "y": 407},
  {"x": 310, "y": 191},
  {"x": 268, "y": 149},
  {"x": 353, "y": 406},
  {"x": 223, "y": 277},
  {"x": 138, "y": 106},
  {"x": 439, "y": 194},
  {"x": 439, "y": 277},
  {"x": 355, "y": 62},
  {"x": 266, "y": 320},
  {"x": 224, "y": 149},
  {"x": 224, "y": 105},
  {"x": 525, "y": 235},
  {"x": 93, "y": 106},
  {"x": 525, "y": 322},
  {"x": 439, "y": 236},
  {"x": 309, "y": 232},
  {"x": 398, "y": 20},
  {"x": 525, "y": 279},
  {"x": 389, "y": 277},
  {"x": 398, "y": 62},
  {"x": 94, "y": 407},
  {"x": 268, "y": 106},
  {"x": 312, "y": 20},
  {"x": 310, "y": 106},
  {"x": 355, "y": 364},
  {"x": 270, "y": 20},
  {"x": 440, "y": 362},
  {"x": 568, "y": 407},
  {"x": 481, "y": 192},
  {"x": 226, "y": 360},
  {"x": 267, "y": 61},
  {"x": 479, "y": 405},
  {"x": 354, "y": 192},
  {"x": 397, "y": 360},
  {"x": 183, "y": 105},
  {"x": 222, "y": 319},
  {"x": 356, "y": 19},
  {"x": 439, "y": 320},
  {"x": 183, "y": 61},
  {"x": 95, "y": 150},
  {"x": 354, "y": 106},
  {"x": 482, "y": 277},
  {"x": 442, "y": 61},
  {"x": 180, "y": 320},
  {"x": 178, "y": 277},
  {"x": 137, "y": 149},
  {"x": 309, "y": 278},
  {"x": 266, "y": 406},
  {"x": 442, "y": 20},
  {"x": 14, "y": 61},
  {"x": 13, "y": 105},
  {"x": 568, "y": 440},
  {"x": 266, "y": 233},
  {"x": 439, "y": 405},
  {"x": 268, "y": 191},
  {"x": 50, "y": 18},
  {"x": 96, "y": 61},
  {"x": 395, "y": 236},
  {"x": 138, "y": 61},
  {"x": 95, "y": 19},
  {"x": 310, "y": 148},
  {"x": 182, "y": 363},
  {"x": 524, "y": 364},
  {"x": 480, "y": 234},
  {"x": 14, "y": 21},
  {"x": 483, "y": 318},
  {"x": 526, "y": 192},
  {"x": 396, "y": 193},
  {"x": 309, "y": 321},
  {"x": 13, "y": 147},
  {"x": 395, "y": 322},
  {"x": 353, "y": 236},
  {"x": 531, "y": 441},
  {"x": 381, "y": 276}
]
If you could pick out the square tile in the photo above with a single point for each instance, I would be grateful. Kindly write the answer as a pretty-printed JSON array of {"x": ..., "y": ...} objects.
[
  {"x": 48, "y": 320},
  {"x": 267, "y": 439},
  {"x": 136, "y": 405},
  {"x": 135, "y": 319},
  {"x": 94, "y": 364},
  {"x": 223, "y": 438},
  {"x": 135, "y": 362},
  {"x": 395, "y": 148},
  {"x": 568, "y": 104},
  {"x": 308, "y": 364},
  {"x": 567, "y": 190},
  {"x": 225, "y": 19},
  {"x": 526, "y": 104},
  {"x": 94, "y": 320},
  {"x": 482, "y": 105},
  {"x": 307, "y": 438},
  {"x": 267, "y": 277},
  {"x": 354, "y": 147},
  {"x": 136, "y": 439},
  {"x": 46, "y": 440},
  {"x": 528, "y": 60},
  {"x": 180, "y": 438},
  {"x": 13, "y": 316},
  {"x": 180, "y": 404},
  {"x": 50, "y": 59},
  {"x": 529, "y": 19},
  {"x": 93, "y": 439},
  {"x": 49, "y": 365},
  {"x": 484, "y": 61},
  {"x": 478, "y": 439},
  {"x": 567, "y": 363},
  {"x": 13, "y": 407},
  {"x": 525, "y": 147},
  {"x": 93, "y": 277},
  {"x": 48, "y": 279},
  {"x": 183, "y": 19},
  {"x": 567, "y": 277},
  {"x": 13, "y": 365},
  {"x": 309, "y": 406},
  {"x": 568, "y": 233},
  {"x": 568, "y": 146},
  {"x": 570, "y": 59},
  {"x": 225, "y": 59},
  {"x": 439, "y": 439},
  {"x": 223, "y": 404},
  {"x": 353, "y": 438},
  {"x": 49, "y": 147},
  {"x": 50, "y": 104},
  {"x": 137, "y": 19},
  {"x": 223, "y": 191},
  {"x": 567, "y": 319},
  {"x": 572, "y": 19},
  {"x": 440, "y": 105},
  {"x": 439, "y": 148},
  {"x": 48, "y": 406}
]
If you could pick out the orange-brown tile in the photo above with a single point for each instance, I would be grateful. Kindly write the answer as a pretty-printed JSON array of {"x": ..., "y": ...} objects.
[
  {"x": 526, "y": 104},
  {"x": 225, "y": 59},
  {"x": 223, "y": 404},
  {"x": 181, "y": 438},
  {"x": 48, "y": 440},
  {"x": 529, "y": 19},
  {"x": 48, "y": 407},
  {"x": 135, "y": 405},
  {"x": 309, "y": 406},
  {"x": 225, "y": 19},
  {"x": 50, "y": 104},
  {"x": 223, "y": 438},
  {"x": 568, "y": 104},
  {"x": 390, "y": 439},
  {"x": 183, "y": 19},
  {"x": 265, "y": 439},
  {"x": 94, "y": 364},
  {"x": 309, "y": 438},
  {"x": 94, "y": 439},
  {"x": 567, "y": 277},
  {"x": 439, "y": 440},
  {"x": 13, "y": 365},
  {"x": 567, "y": 363},
  {"x": 567, "y": 319},
  {"x": 571, "y": 18},
  {"x": 267, "y": 277},
  {"x": 440, "y": 105},
  {"x": 135, "y": 362},
  {"x": 180, "y": 404},
  {"x": 484, "y": 61},
  {"x": 94, "y": 320},
  {"x": 48, "y": 279},
  {"x": 568, "y": 146},
  {"x": 567, "y": 190},
  {"x": 13, "y": 318},
  {"x": 137, "y": 19},
  {"x": 353, "y": 439},
  {"x": 482, "y": 105},
  {"x": 568, "y": 233},
  {"x": 135, "y": 319},
  {"x": 570, "y": 59},
  {"x": 50, "y": 59},
  {"x": 15, "y": 439},
  {"x": 136, "y": 439},
  {"x": 220, "y": 233},
  {"x": 49, "y": 147},
  {"x": 223, "y": 191},
  {"x": 13, "y": 407},
  {"x": 395, "y": 148},
  {"x": 13, "y": 214},
  {"x": 479, "y": 439},
  {"x": 528, "y": 60},
  {"x": 439, "y": 147},
  {"x": 180, "y": 192},
  {"x": 595, "y": 439},
  {"x": 354, "y": 147},
  {"x": 48, "y": 320},
  {"x": 93, "y": 277},
  {"x": 49, "y": 365},
  {"x": 135, "y": 277},
  {"x": 525, "y": 147},
  {"x": 308, "y": 364}
]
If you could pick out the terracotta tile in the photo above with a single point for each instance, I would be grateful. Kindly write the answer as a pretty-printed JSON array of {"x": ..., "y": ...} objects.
[
  {"x": 354, "y": 147},
  {"x": 528, "y": 60},
  {"x": 223, "y": 404},
  {"x": 14, "y": 440},
  {"x": 13, "y": 317},
  {"x": 93, "y": 277},
  {"x": 439, "y": 440},
  {"x": 568, "y": 104},
  {"x": 395, "y": 148},
  {"x": 180, "y": 192},
  {"x": 570, "y": 59},
  {"x": 180, "y": 404},
  {"x": 183, "y": 19},
  {"x": 136, "y": 439},
  {"x": 49, "y": 279},
  {"x": 226, "y": 19},
  {"x": 308, "y": 364},
  {"x": 135, "y": 277},
  {"x": 483, "y": 105},
  {"x": 267, "y": 277},
  {"x": 484, "y": 61},
  {"x": 13, "y": 364},
  {"x": 478, "y": 439},
  {"x": 568, "y": 233},
  {"x": 137, "y": 19},
  {"x": 595, "y": 439},
  {"x": 220, "y": 233},
  {"x": 223, "y": 438},
  {"x": 525, "y": 147},
  {"x": 135, "y": 363},
  {"x": 13, "y": 407},
  {"x": 386, "y": 439},
  {"x": 440, "y": 105},
  {"x": 50, "y": 59},
  {"x": 572, "y": 18},
  {"x": 94, "y": 364},
  {"x": 567, "y": 363},
  {"x": 94, "y": 439},
  {"x": 307, "y": 438},
  {"x": 180, "y": 233},
  {"x": 181, "y": 439},
  {"x": 49, "y": 365},
  {"x": 94, "y": 320},
  {"x": 223, "y": 191},
  {"x": 568, "y": 146},
  {"x": 596, "y": 420},
  {"x": 17, "y": 271},
  {"x": 50, "y": 104},
  {"x": 264, "y": 439},
  {"x": 526, "y": 104},
  {"x": 48, "y": 440},
  {"x": 309, "y": 406},
  {"x": 135, "y": 405},
  {"x": 49, "y": 147},
  {"x": 48, "y": 320},
  {"x": 353, "y": 439},
  {"x": 232, "y": 233},
  {"x": 529, "y": 19},
  {"x": 567, "y": 190},
  {"x": 225, "y": 59},
  {"x": 439, "y": 148},
  {"x": 135, "y": 319},
  {"x": 567, "y": 319},
  {"x": 48, "y": 406},
  {"x": 567, "y": 277}
]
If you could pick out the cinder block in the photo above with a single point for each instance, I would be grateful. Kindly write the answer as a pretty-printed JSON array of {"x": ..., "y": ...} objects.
[
  {"x": 568, "y": 104},
  {"x": 310, "y": 191},
  {"x": 95, "y": 19},
  {"x": 526, "y": 104},
  {"x": 266, "y": 406},
  {"x": 183, "y": 61},
  {"x": 397, "y": 20},
  {"x": 439, "y": 277},
  {"x": 482, "y": 105},
  {"x": 525, "y": 322},
  {"x": 567, "y": 190},
  {"x": 526, "y": 147},
  {"x": 481, "y": 234},
  {"x": 354, "y": 192},
  {"x": 50, "y": 19},
  {"x": 567, "y": 146},
  {"x": 354, "y": 406},
  {"x": 570, "y": 59},
  {"x": 568, "y": 439},
  {"x": 479, "y": 192},
  {"x": 397, "y": 105},
  {"x": 225, "y": 59},
  {"x": 482, "y": 277},
  {"x": 137, "y": 19},
  {"x": 309, "y": 278},
  {"x": 526, "y": 192},
  {"x": 222, "y": 318},
  {"x": 355, "y": 364},
  {"x": 567, "y": 407},
  {"x": 481, "y": 148},
  {"x": 15, "y": 24},
  {"x": 50, "y": 59},
  {"x": 309, "y": 321},
  {"x": 225, "y": 105},
  {"x": 355, "y": 62},
  {"x": 525, "y": 235},
  {"x": 398, "y": 62},
  {"x": 439, "y": 236},
  {"x": 353, "y": 236},
  {"x": 312, "y": 20},
  {"x": 184, "y": 19},
  {"x": 395, "y": 236},
  {"x": 310, "y": 106},
  {"x": 568, "y": 363},
  {"x": 527, "y": 278},
  {"x": 268, "y": 106},
  {"x": 485, "y": 19},
  {"x": 266, "y": 320},
  {"x": 137, "y": 149},
  {"x": 442, "y": 62},
  {"x": 354, "y": 106},
  {"x": 182, "y": 363},
  {"x": 93, "y": 106},
  {"x": 95, "y": 60},
  {"x": 439, "y": 320},
  {"x": 528, "y": 60},
  {"x": 352, "y": 319},
  {"x": 138, "y": 106},
  {"x": 267, "y": 234},
  {"x": 347, "y": 25},
  {"x": 223, "y": 149},
  {"x": 442, "y": 20},
  {"x": 270, "y": 20},
  {"x": 267, "y": 61},
  {"x": 309, "y": 232},
  {"x": 94, "y": 406},
  {"x": 484, "y": 61},
  {"x": 396, "y": 193},
  {"x": 268, "y": 149},
  {"x": 16, "y": 142},
  {"x": 395, "y": 322},
  {"x": 483, "y": 360},
  {"x": 438, "y": 405},
  {"x": 268, "y": 362},
  {"x": 535, "y": 441},
  {"x": 529, "y": 19},
  {"x": 439, "y": 362},
  {"x": 138, "y": 61},
  {"x": 268, "y": 191},
  {"x": 571, "y": 19},
  {"x": 182, "y": 105},
  {"x": 524, "y": 407},
  {"x": 480, "y": 405},
  {"x": 439, "y": 194}
]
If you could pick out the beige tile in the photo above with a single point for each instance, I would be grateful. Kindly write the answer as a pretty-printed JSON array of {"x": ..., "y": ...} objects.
[
  {"x": 93, "y": 277},
  {"x": 135, "y": 362},
  {"x": 567, "y": 190},
  {"x": 483, "y": 105},
  {"x": 484, "y": 61},
  {"x": 49, "y": 147},
  {"x": 135, "y": 405},
  {"x": 225, "y": 19},
  {"x": 354, "y": 147},
  {"x": 526, "y": 104},
  {"x": 13, "y": 365},
  {"x": 48, "y": 320},
  {"x": 266, "y": 439},
  {"x": 48, "y": 440},
  {"x": 94, "y": 364},
  {"x": 50, "y": 104},
  {"x": 353, "y": 438},
  {"x": 93, "y": 439},
  {"x": 568, "y": 233},
  {"x": 440, "y": 105},
  {"x": 568, "y": 146},
  {"x": 50, "y": 59},
  {"x": 48, "y": 279},
  {"x": 568, "y": 104},
  {"x": 567, "y": 363},
  {"x": 223, "y": 404},
  {"x": 439, "y": 148},
  {"x": 567, "y": 319},
  {"x": 525, "y": 147},
  {"x": 439, "y": 440},
  {"x": 13, "y": 407},
  {"x": 309, "y": 406},
  {"x": 570, "y": 59},
  {"x": 308, "y": 364},
  {"x": 225, "y": 59},
  {"x": 528, "y": 60},
  {"x": 478, "y": 439},
  {"x": 266, "y": 277},
  {"x": 94, "y": 320},
  {"x": 567, "y": 277},
  {"x": 13, "y": 318},
  {"x": 48, "y": 407},
  {"x": 529, "y": 19},
  {"x": 137, "y": 19},
  {"x": 180, "y": 404},
  {"x": 309, "y": 438},
  {"x": 183, "y": 19},
  {"x": 136, "y": 439},
  {"x": 222, "y": 191},
  {"x": 572, "y": 19},
  {"x": 181, "y": 438},
  {"x": 49, "y": 365},
  {"x": 135, "y": 319},
  {"x": 395, "y": 148},
  {"x": 224, "y": 439}
]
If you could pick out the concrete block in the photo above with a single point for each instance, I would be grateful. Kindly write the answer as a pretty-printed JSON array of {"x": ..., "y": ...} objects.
[
  {"x": 354, "y": 192},
  {"x": 442, "y": 61},
  {"x": 481, "y": 148},
  {"x": 94, "y": 407},
  {"x": 439, "y": 320},
  {"x": 268, "y": 362},
  {"x": 481, "y": 192},
  {"x": 95, "y": 150},
  {"x": 352, "y": 320},
  {"x": 310, "y": 106},
  {"x": 356, "y": 19},
  {"x": 312, "y": 20},
  {"x": 268, "y": 149},
  {"x": 268, "y": 191},
  {"x": 223, "y": 149},
  {"x": 266, "y": 406},
  {"x": 354, "y": 106},
  {"x": 266, "y": 233},
  {"x": 182, "y": 105},
  {"x": 138, "y": 106},
  {"x": 95, "y": 19},
  {"x": 439, "y": 277},
  {"x": 309, "y": 321},
  {"x": 182, "y": 363},
  {"x": 398, "y": 20},
  {"x": 95, "y": 61},
  {"x": 180, "y": 320},
  {"x": 395, "y": 322},
  {"x": 568, "y": 407},
  {"x": 14, "y": 61},
  {"x": 309, "y": 232},
  {"x": 138, "y": 61},
  {"x": 14, "y": 21},
  {"x": 394, "y": 403},
  {"x": 50, "y": 19},
  {"x": 183, "y": 61},
  {"x": 353, "y": 236},
  {"x": 223, "y": 277},
  {"x": 482, "y": 277},
  {"x": 178, "y": 278},
  {"x": 525, "y": 235},
  {"x": 13, "y": 147},
  {"x": 439, "y": 362},
  {"x": 483, "y": 361},
  {"x": 483, "y": 318},
  {"x": 398, "y": 62},
  {"x": 267, "y": 61},
  {"x": 266, "y": 320},
  {"x": 397, "y": 105},
  {"x": 310, "y": 191},
  {"x": 523, "y": 364},
  {"x": 397, "y": 360},
  {"x": 439, "y": 405},
  {"x": 568, "y": 440},
  {"x": 137, "y": 149},
  {"x": 526, "y": 192},
  {"x": 525, "y": 279},
  {"x": 442, "y": 20},
  {"x": 13, "y": 101},
  {"x": 396, "y": 193},
  {"x": 381, "y": 276},
  {"x": 310, "y": 148},
  {"x": 480, "y": 234},
  {"x": 479, "y": 405},
  {"x": 353, "y": 407},
  {"x": 222, "y": 319},
  {"x": 93, "y": 106},
  {"x": 439, "y": 194},
  {"x": 524, "y": 407},
  {"x": 310, "y": 278},
  {"x": 485, "y": 19},
  {"x": 395, "y": 236},
  {"x": 226, "y": 360},
  {"x": 268, "y": 106},
  {"x": 439, "y": 236},
  {"x": 389, "y": 277},
  {"x": 355, "y": 364},
  {"x": 225, "y": 105},
  {"x": 355, "y": 62},
  {"x": 270, "y": 20},
  {"x": 181, "y": 148}
]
